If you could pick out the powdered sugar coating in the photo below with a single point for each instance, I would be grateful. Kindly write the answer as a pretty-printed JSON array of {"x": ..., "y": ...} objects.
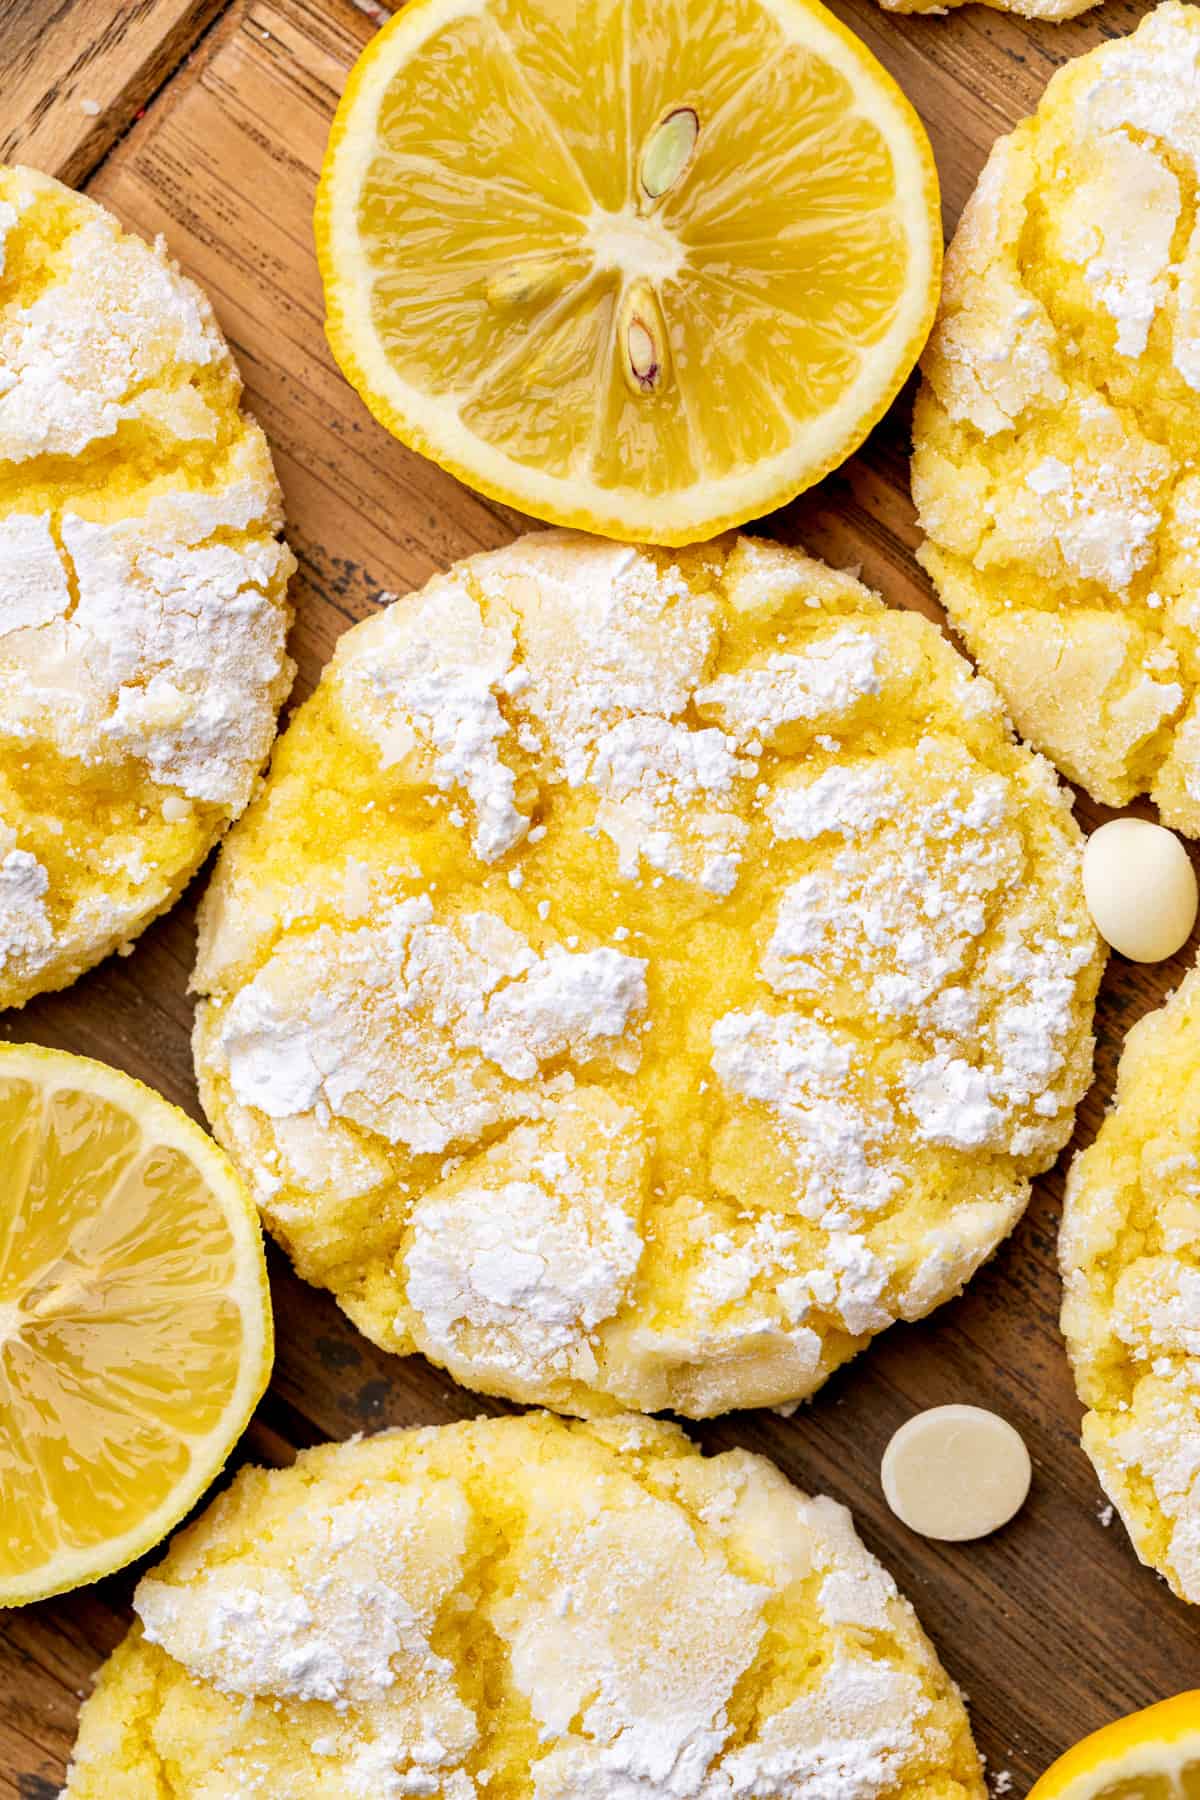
[
  {"x": 142, "y": 584},
  {"x": 25, "y": 930},
  {"x": 827, "y": 681},
  {"x": 286, "y": 1643},
  {"x": 1054, "y": 430},
  {"x": 745, "y": 1046},
  {"x": 354, "y": 1024},
  {"x": 426, "y": 678},
  {"x": 1131, "y": 1307},
  {"x": 1051, "y": 10}
]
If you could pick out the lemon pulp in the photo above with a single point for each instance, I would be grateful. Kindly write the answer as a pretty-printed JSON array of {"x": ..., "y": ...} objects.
[
  {"x": 135, "y": 1330},
  {"x": 648, "y": 266}
]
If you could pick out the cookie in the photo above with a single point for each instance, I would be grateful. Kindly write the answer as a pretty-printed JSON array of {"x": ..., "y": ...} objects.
[
  {"x": 645, "y": 976},
  {"x": 1054, "y": 433},
  {"x": 1051, "y": 10},
  {"x": 528, "y": 1608},
  {"x": 1131, "y": 1273},
  {"x": 143, "y": 604}
]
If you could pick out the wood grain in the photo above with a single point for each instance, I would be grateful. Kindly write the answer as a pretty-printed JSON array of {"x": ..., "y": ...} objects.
[
  {"x": 1052, "y": 1626},
  {"x": 73, "y": 73}
]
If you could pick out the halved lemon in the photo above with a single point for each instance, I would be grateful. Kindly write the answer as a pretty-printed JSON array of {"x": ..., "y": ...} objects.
[
  {"x": 648, "y": 267},
  {"x": 135, "y": 1318},
  {"x": 1150, "y": 1755}
]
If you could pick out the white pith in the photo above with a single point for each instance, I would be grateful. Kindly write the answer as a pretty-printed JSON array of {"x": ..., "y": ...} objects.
[{"x": 635, "y": 247}]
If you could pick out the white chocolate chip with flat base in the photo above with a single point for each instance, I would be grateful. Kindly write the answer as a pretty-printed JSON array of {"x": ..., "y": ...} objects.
[
  {"x": 1140, "y": 889},
  {"x": 956, "y": 1472}
]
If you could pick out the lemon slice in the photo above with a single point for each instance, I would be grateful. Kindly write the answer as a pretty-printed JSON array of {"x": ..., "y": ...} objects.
[
  {"x": 649, "y": 267},
  {"x": 1150, "y": 1755},
  {"x": 135, "y": 1318}
]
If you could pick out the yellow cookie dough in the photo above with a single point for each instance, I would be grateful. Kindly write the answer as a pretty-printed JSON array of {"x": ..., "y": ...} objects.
[
  {"x": 645, "y": 976},
  {"x": 143, "y": 591},
  {"x": 1130, "y": 1254},
  {"x": 522, "y": 1609},
  {"x": 1054, "y": 466}
]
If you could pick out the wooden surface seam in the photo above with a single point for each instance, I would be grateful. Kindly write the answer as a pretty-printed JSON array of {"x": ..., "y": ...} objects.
[{"x": 76, "y": 73}]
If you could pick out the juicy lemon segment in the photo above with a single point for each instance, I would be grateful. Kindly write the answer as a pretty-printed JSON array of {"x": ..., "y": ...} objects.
[
  {"x": 135, "y": 1320},
  {"x": 1150, "y": 1755},
  {"x": 645, "y": 266}
]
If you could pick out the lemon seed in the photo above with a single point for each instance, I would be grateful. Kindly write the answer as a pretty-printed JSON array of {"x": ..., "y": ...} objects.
[{"x": 667, "y": 152}]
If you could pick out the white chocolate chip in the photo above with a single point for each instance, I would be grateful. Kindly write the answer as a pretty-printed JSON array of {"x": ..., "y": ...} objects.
[
  {"x": 956, "y": 1472},
  {"x": 1140, "y": 888}
]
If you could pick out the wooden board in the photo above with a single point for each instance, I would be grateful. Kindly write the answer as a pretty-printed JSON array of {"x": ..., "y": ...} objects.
[
  {"x": 75, "y": 75},
  {"x": 1052, "y": 1627}
]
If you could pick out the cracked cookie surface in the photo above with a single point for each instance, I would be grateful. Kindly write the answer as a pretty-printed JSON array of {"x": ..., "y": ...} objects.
[
  {"x": 143, "y": 605},
  {"x": 1051, "y": 10},
  {"x": 1055, "y": 431},
  {"x": 509, "y": 1609},
  {"x": 1131, "y": 1223},
  {"x": 645, "y": 976}
]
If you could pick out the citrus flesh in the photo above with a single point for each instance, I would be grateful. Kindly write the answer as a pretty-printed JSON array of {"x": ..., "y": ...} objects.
[
  {"x": 1150, "y": 1755},
  {"x": 649, "y": 267},
  {"x": 135, "y": 1321}
]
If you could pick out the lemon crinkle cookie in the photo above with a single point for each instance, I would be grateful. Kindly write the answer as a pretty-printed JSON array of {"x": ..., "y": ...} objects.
[
  {"x": 143, "y": 605},
  {"x": 510, "y": 1608},
  {"x": 645, "y": 977},
  {"x": 1055, "y": 430},
  {"x": 1131, "y": 1223},
  {"x": 1052, "y": 10}
]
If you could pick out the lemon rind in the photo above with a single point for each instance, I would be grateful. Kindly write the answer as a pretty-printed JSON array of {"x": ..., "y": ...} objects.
[{"x": 1126, "y": 1746}]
